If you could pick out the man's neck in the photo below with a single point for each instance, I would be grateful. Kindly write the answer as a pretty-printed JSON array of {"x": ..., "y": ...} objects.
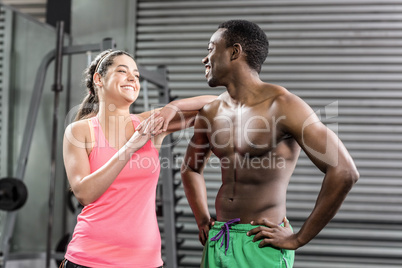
[{"x": 245, "y": 91}]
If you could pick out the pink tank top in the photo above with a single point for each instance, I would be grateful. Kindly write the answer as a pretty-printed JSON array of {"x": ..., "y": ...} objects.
[{"x": 120, "y": 229}]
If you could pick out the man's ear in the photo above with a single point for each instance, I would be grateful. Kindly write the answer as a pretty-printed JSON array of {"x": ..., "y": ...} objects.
[
  {"x": 97, "y": 79},
  {"x": 236, "y": 51}
]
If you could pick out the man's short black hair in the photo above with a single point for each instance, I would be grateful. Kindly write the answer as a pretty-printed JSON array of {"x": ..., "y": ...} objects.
[{"x": 252, "y": 39}]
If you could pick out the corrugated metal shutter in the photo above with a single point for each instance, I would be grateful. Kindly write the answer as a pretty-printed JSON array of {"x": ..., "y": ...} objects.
[
  {"x": 345, "y": 54},
  {"x": 33, "y": 8}
]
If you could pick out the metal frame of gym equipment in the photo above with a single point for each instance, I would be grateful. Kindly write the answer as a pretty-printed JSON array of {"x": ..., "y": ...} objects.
[
  {"x": 168, "y": 185},
  {"x": 158, "y": 78}
]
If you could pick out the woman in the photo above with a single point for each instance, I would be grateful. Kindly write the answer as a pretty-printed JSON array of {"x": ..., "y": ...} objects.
[{"x": 112, "y": 164}]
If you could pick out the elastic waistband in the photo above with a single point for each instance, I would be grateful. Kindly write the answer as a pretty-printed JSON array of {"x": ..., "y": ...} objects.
[{"x": 236, "y": 227}]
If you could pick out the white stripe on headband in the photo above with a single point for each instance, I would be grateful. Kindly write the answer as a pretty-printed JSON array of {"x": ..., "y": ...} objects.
[{"x": 101, "y": 60}]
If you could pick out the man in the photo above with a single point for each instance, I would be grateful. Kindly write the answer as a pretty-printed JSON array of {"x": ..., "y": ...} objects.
[{"x": 256, "y": 129}]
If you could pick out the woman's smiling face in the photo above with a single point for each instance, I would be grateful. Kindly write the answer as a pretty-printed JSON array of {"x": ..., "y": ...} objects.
[{"x": 122, "y": 80}]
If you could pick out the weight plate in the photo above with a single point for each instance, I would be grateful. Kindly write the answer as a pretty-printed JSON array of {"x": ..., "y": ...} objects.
[{"x": 13, "y": 194}]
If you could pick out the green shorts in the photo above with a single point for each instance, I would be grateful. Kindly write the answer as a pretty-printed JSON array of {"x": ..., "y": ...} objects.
[{"x": 241, "y": 251}]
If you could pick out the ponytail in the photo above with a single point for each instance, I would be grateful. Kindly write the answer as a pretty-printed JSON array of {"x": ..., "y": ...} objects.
[
  {"x": 90, "y": 105},
  {"x": 88, "y": 108}
]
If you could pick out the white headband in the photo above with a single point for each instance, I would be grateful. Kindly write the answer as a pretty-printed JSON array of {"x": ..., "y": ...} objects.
[{"x": 101, "y": 60}]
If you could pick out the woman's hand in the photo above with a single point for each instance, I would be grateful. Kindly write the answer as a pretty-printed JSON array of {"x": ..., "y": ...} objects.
[
  {"x": 169, "y": 112},
  {"x": 148, "y": 128}
]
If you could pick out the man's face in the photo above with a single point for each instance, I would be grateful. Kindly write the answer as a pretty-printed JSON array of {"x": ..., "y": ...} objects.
[{"x": 217, "y": 62}]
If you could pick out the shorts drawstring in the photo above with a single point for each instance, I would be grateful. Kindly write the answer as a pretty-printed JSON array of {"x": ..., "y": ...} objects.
[{"x": 225, "y": 231}]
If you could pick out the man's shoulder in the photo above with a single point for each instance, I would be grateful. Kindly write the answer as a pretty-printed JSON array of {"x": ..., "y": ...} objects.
[
  {"x": 280, "y": 101},
  {"x": 276, "y": 94},
  {"x": 214, "y": 105},
  {"x": 286, "y": 103},
  {"x": 280, "y": 95}
]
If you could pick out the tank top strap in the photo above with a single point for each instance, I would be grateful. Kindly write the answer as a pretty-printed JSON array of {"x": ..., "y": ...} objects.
[
  {"x": 92, "y": 133},
  {"x": 135, "y": 119},
  {"x": 97, "y": 139}
]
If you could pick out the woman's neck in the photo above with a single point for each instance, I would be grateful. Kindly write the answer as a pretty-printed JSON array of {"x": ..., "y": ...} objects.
[{"x": 109, "y": 113}]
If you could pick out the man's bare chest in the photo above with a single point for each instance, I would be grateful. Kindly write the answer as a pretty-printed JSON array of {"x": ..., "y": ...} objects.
[{"x": 244, "y": 131}]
